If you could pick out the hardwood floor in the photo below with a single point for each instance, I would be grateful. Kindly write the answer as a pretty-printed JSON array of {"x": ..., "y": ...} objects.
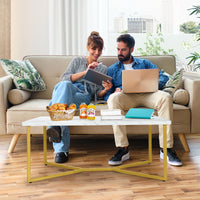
[{"x": 183, "y": 182}]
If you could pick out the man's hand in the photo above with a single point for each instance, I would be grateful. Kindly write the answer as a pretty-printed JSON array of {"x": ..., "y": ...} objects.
[
  {"x": 118, "y": 90},
  {"x": 107, "y": 85}
]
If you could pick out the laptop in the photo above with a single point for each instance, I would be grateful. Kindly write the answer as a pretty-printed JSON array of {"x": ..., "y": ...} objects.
[
  {"x": 140, "y": 80},
  {"x": 96, "y": 77}
]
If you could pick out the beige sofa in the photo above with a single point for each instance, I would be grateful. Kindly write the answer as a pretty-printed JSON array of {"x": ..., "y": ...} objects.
[{"x": 185, "y": 121}]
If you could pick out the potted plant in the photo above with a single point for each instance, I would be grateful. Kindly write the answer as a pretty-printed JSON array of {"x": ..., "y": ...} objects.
[{"x": 195, "y": 57}]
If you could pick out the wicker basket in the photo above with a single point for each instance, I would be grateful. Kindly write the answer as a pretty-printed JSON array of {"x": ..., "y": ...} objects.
[{"x": 60, "y": 115}]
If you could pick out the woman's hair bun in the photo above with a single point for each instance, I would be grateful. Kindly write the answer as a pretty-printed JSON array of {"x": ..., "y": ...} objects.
[{"x": 94, "y": 33}]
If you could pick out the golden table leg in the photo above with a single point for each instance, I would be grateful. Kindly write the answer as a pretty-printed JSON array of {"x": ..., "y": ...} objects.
[
  {"x": 45, "y": 144},
  {"x": 165, "y": 152},
  {"x": 28, "y": 154},
  {"x": 150, "y": 143},
  {"x": 120, "y": 169}
]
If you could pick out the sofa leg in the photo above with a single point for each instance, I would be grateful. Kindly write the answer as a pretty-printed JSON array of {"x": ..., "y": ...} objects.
[
  {"x": 184, "y": 142},
  {"x": 13, "y": 143}
]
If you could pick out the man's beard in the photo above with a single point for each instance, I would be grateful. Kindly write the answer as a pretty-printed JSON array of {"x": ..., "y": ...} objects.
[{"x": 124, "y": 58}]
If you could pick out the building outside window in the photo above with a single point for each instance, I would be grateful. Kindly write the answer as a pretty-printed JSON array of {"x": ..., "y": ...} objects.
[{"x": 140, "y": 25}]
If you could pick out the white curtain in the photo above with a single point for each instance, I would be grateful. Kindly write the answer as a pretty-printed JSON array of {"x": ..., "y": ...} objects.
[{"x": 71, "y": 21}]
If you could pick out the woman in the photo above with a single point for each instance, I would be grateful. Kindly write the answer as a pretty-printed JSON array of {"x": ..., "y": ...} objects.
[{"x": 74, "y": 89}]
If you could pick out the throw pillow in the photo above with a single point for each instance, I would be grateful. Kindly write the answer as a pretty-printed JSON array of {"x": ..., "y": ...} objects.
[
  {"x": 181, "y": 96},
  {"x": 174, "y": 82},
  {"x": 16, "y": 96},
  {"x": 165, "y": 73},
  {"x": 24, "y": 74}
]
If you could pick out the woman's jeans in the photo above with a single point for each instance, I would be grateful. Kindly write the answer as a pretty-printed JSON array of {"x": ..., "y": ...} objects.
[{"x": 66, "y": 92}]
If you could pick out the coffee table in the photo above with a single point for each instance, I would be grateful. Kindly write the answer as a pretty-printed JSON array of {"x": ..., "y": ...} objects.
[{"x": 46, "y": 121}]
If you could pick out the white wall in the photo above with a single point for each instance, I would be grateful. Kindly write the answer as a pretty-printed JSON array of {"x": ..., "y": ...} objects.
[{"x": 29, "y": 28}]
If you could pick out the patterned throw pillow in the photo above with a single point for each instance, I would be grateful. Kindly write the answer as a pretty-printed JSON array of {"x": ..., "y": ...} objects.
[
  {"x": 24, "y": 74},
  {"x": 174, "y": 82}
]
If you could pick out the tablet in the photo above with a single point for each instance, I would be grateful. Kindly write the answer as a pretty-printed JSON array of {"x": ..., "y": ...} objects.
[{"x": 96, "y": 77}]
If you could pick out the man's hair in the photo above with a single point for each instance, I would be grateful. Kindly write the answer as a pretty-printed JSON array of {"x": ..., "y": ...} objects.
[{"x": 127, "y": 39}]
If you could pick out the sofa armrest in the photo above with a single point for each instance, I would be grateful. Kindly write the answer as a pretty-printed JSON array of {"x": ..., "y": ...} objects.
[
  {"x": 193, "y": 87},
  {"x": 5, "y": 86}
]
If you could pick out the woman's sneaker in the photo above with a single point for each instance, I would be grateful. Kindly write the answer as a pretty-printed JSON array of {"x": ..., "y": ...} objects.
[
  {"x": 172, "y": 158},
  {"x": 61, "y": 157},
  {"x": 54, "y": 133},
  {"x": 121, "y": 155}
]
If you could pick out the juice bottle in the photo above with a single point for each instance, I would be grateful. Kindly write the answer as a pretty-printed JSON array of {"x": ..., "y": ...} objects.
[
  {"x": 83, "y": 111},
  {"x": 91, "y": 112}
]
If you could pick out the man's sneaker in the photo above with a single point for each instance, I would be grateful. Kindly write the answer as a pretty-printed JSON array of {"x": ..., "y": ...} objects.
[
  {"x": 172, "y": 158},
  {"x": 61, "y": 157},
  {"x": 121, "y": 155},
  {"x": 54, "y": 133}
]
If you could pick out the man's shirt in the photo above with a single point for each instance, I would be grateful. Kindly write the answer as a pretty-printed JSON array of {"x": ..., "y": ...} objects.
[{"x": 115, "y": 71}]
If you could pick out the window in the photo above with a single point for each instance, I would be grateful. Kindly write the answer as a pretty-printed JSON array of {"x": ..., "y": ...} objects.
[
  {"x": 63, "y": 26},
  {"x": 141, "y": 17}
]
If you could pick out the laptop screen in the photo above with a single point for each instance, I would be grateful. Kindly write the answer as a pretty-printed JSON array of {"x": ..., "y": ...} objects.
[{"x": 140, "y": 80}]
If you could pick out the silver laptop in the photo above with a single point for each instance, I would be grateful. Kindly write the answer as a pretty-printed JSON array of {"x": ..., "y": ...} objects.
[{"x": 140, "y": 80}]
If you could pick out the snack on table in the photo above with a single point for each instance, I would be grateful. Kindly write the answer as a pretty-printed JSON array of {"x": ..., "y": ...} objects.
[
  {"x": 59, "y": 111},
  {"x": 58, "y": 106},
  {"x": 72, "y": 106}
]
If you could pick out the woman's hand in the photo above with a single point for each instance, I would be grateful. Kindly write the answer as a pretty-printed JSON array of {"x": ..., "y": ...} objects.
[
  {"x": 93, "y": 65},
  {"x": 79, "y": 75}
]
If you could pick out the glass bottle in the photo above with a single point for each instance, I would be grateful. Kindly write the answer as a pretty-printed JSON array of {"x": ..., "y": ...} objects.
[
  {"x": 83, "y": 111},
  {"x": 91, "y": 112}
]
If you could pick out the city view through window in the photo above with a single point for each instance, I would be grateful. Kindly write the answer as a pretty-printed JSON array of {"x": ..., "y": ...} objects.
[{"x": 162, "y": 25}]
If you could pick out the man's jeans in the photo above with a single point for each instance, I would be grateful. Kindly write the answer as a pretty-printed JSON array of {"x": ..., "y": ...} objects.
[{"x": 66, "y": 92}]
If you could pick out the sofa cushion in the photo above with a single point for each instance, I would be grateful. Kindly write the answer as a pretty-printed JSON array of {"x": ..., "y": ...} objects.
[
  {"x": 181, "y": 96},
  {"x": 24, "y": 75},
  {"x": 181, "y": 119},
  {"x": 25, "y": 111},
  {"x": 37, "y": 107},
  {"x": 16, "y": 96}
]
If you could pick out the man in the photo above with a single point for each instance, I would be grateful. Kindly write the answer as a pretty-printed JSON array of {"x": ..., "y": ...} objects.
[{"x": 116, "y": 99}]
